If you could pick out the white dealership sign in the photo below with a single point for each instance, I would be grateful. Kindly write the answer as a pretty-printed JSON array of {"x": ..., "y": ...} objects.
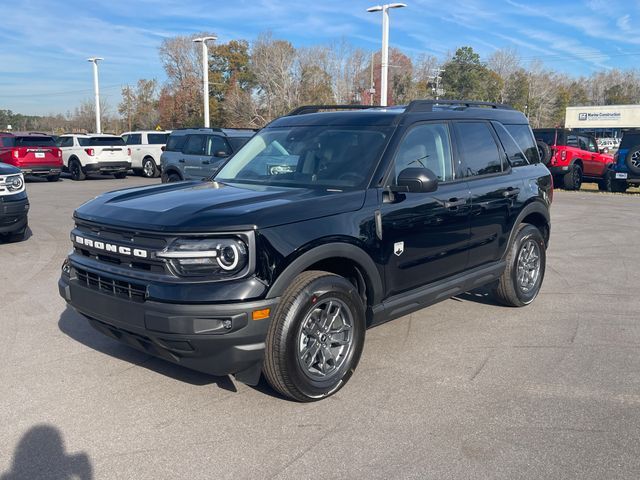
[{"x": 605, "y": 116}]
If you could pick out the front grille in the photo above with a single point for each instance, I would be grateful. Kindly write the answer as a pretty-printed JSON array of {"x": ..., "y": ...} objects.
[{"x": 111, "y": 286}]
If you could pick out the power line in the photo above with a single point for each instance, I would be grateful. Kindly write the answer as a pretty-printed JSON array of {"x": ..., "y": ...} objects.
[{"x": 53, "y": 94}]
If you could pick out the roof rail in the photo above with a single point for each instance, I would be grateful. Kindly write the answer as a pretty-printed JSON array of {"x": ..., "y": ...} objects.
[
  {"x": 427, "y": 105},
  {"x": 316, "y": 108}
]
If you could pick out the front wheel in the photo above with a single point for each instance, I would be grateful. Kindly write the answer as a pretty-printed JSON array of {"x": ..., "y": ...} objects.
[
  {"x": 526, "y": 261},
  {"x": 315, "y": 337}
]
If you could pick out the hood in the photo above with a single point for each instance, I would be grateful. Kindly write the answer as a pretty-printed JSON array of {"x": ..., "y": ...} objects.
[
  {"x": 6, "y": 169},
  {"x": 210, "y": 206}
]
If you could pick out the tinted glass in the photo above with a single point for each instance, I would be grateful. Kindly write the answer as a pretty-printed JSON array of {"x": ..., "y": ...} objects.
[
  {"x": 583, "y": 142},
  {"x": 523, "y": 136},
  {"x": 426, "y": 146},
  {"x": 133, "y": 139},
  {"x": 100, "y": 141},
  {"x": 630, "y": 140},
  {"x": 572, "y": 140},
  {"x": 320, "y": 156},
  {"x": 195, "y": 145},
  {"x": 157, "y": 138},
  {"x": 515, "y": 155},
  {"x": 8, "y": 141},
  {"x": 33, "y": 141},
  {"x": 478, "y": 149},
  {"x": 65, "y": 142},
  {"x": 216, "y": 144},
  {"x": 593, "y": 146},
  {"x": 175, "y": 143},
  {"x": 237, "y": 142}
]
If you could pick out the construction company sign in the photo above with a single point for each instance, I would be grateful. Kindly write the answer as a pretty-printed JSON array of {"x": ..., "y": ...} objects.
[{"x": 609, "y": 116}]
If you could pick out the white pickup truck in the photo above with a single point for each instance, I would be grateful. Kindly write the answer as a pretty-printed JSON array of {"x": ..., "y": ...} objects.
[
  {"x": 94, "y": 153},
  {"x": 146, "y": 149}
]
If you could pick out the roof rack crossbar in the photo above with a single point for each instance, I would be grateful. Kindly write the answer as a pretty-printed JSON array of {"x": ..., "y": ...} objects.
[
  {"x": 316, "y": 108},
  {"x": 427, "y": 105}
]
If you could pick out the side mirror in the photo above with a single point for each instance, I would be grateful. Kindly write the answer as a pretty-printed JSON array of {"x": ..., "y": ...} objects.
[
  {"x": 418, "y": 180},
  {"x": 221, "y": 154}
]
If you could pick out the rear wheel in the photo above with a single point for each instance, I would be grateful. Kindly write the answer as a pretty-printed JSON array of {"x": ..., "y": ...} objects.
[
  {"x": 521, "y": 280},
  {"x": 76, "y": 170},
  {"x": 120, "y": 174},
  {"x": 612, "y": 184},
  {"x": 315, "y": 337},
  {"x": 149, "y": 168},
  {"x": 572, "y": 180}
]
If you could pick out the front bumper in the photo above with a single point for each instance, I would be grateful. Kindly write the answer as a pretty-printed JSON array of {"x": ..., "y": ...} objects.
[
  {"x": 13, "y": 215},
  {"x": 218, "y": 339},
  {"x": 105, "y": 167}
]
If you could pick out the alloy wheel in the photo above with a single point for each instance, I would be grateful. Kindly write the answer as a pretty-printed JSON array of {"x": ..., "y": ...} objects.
[{"x": 528, "y": 269}]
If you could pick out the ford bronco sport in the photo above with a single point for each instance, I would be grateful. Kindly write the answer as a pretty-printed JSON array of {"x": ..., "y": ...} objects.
[
  {"x": 14, "y": 205},
  {"x": 572, "y": 157},
  {"x": 625, "y": 170},
  {"x": 323, "y": 224}
]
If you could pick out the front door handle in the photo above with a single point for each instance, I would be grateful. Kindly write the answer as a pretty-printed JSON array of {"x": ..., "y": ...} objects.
[
  {"x": 454, "y": 202},
  {"x": 181, "y": 160},
  {"x": 206, "y": 162},
  {"x": 511, "y": 192}
]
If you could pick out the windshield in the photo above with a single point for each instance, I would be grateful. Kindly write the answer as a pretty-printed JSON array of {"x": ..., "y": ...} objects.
[
  {"x": 100, "y": 141},
  {"x": 330, "y": 157}
]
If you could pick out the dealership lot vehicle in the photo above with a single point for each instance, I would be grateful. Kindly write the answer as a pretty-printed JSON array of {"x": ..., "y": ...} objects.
[
  {"x": 196, "y": 153},
  {"x": 321, "y": 225},
  {"x": 33, "y": 153},
  {"x": 548, "y": 391},
  {"x": 625, "y": 170},
  {"x": 14, "y": 204},
  {"x": 572, "y": 157},
  {"x": 94, "y": 153},
  {"x": 146, "y": 148}
]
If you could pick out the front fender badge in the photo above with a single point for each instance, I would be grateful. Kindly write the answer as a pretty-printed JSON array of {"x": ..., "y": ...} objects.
[{"x": 398, "y": 248}]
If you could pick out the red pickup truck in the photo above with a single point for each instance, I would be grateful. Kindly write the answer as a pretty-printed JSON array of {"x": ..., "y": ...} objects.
[
  {"x": 572, "y": 157},
  {"x": 33, "y": 153}
]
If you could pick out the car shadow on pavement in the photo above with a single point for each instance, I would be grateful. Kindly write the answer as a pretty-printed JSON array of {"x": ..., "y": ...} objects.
[
  {"x": 482, "y": 295},
  {"x": 75, "y": 326},
  {"x": 40, "y": 454}
]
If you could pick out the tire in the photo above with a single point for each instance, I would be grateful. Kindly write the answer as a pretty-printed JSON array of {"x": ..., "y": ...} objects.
[
  {"x": 612, "y": 184},
  {"x": 53, "y": 178},
  {"x": 572, "y": 180},
  {"x": 120, "y": 174},
  {"x": 544, "y": 151},
  {"x": 75, "y": 168},
  {"x": 633, "y": 160},
  {"x": 298, "y": 342},
  {"x": 173, "y": 177},
  {"x": 511, "y": 289},
  {"x": 149, "y": 168}
]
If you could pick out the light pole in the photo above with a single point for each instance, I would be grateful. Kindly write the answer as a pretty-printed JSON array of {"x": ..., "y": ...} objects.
[
  {"x": 96, "y": 89},
  {"x": 384, "y": 63},
  {"x": 205, "y": 75}
]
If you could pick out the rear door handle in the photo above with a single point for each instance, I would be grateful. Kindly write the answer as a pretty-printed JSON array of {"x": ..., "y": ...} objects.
[
  {"x": 511, "y": 192},
  {"x": 454, "y": 202}
]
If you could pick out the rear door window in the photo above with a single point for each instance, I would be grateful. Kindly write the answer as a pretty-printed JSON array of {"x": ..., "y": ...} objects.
[
  {"x": 195, "y": 145},
  {"x": 479, "y": 151},
  {"x": 175, "y": 143},
  {"x": 215, "y": 145}
]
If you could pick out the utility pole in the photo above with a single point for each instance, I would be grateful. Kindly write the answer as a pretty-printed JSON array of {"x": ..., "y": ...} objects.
[
  {"x": 384, "y": 64},
  {"x": 205, "y": 75},
  {"x": 96, "y": 89},
  {"x": 372, "y": 90}
]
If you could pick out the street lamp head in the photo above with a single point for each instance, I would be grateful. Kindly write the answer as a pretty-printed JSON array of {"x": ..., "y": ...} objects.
[
  {"x": 396, "y": 5},
  {"x": 380, "y": 8},
  {"x": 377, "y": 8},
  {"x": 94, "y": 59},
  {"x": 205, "y": 39}
]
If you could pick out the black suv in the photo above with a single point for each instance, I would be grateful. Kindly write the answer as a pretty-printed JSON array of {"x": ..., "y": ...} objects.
[
  {"x": 323, "y": 224},
  {"x": 196, "y": 153}
]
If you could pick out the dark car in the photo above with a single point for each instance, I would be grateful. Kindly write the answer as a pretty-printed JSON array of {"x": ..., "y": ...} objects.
[
  {"x": 33, "y": 153},
  {"x": 14, "y": 204},
  {"x": 625, "y": 170},
  {"x": 572, "y": 157},
  {"x": 196, "y": 153},
  {"x": 323, "y": 224}
]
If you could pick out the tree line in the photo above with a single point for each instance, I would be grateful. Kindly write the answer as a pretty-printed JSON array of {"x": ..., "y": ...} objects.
[{"x": 252, "y": 83}]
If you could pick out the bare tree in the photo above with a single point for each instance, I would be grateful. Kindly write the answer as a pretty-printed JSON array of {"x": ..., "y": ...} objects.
[{"x": 504, "y": 63}]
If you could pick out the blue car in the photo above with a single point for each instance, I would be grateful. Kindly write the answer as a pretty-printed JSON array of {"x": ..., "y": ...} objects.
[
  {"x": 14, "y": 204},
  {"x": 625, "y": 170}
]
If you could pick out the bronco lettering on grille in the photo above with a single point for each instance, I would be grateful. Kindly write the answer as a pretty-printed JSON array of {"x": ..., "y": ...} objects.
[{"x": 111, "y": 247}]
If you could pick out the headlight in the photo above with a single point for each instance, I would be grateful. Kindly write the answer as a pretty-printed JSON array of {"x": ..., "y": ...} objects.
[
  {"x": 13, "y": 183},
  {"x": 225, "y": 257}
]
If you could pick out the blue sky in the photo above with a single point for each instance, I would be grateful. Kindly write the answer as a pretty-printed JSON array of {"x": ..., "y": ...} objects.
[{"x": 45, "y": 43}]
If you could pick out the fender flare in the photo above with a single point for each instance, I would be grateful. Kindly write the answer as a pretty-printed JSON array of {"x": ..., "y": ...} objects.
[
  {"x": 534, "y": 207},
  {"x": 326, "y": 251}
]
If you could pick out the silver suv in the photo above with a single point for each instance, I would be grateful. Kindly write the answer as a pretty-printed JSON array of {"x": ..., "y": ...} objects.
[{"x": 195, "y": 153}]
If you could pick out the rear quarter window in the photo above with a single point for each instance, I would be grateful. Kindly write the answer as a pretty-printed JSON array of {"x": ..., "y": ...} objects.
[
  {"x": 8, "y": 141},
  {"x": 523, "y": 136},
  {"x": 237, "y": 142},
  {"x": 157, "y": 138}
]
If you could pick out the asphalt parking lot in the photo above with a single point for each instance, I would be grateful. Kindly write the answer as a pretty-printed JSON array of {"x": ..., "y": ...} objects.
[{"x": 463, "y": 389}]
